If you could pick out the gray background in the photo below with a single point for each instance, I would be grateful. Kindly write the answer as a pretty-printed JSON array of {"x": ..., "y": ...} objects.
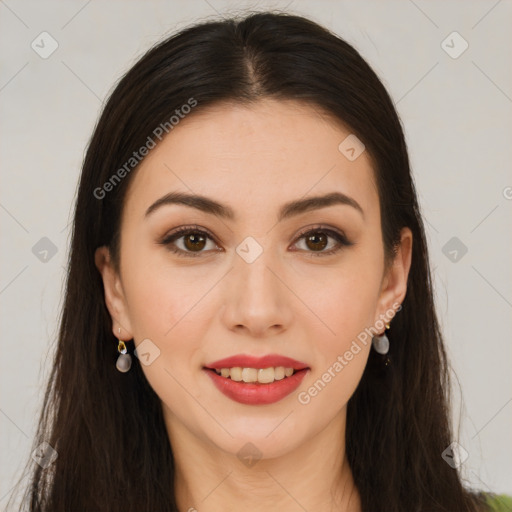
[{"x": 457, "y": 118}]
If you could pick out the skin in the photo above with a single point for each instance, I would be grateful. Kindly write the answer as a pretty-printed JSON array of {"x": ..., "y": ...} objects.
[{"x": 200, "y": 309}]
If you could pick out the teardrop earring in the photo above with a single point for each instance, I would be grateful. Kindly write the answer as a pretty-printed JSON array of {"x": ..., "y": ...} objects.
[
  {"x": 124, "y": 361},
  {"x": 381, "y": 343}
]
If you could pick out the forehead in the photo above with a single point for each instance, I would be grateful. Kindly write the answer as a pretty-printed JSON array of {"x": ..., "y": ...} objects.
[{"x": 254, "y": 157}]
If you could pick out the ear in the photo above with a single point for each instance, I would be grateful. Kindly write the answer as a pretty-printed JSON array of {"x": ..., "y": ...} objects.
[
  {"x": 114, "y": 295},
  {"x": 394, "y": 284}
]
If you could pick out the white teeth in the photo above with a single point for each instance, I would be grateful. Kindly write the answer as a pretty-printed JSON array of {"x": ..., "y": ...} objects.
[
  {"x": 279, "y": 373},
  {"x": 236, "y": 373},
  {"x": 266, "y": 375},
  {"x": 261, "y": 375},
  {"x": 250, "y": 375}
]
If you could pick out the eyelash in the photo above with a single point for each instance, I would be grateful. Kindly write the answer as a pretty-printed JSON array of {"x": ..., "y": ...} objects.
[{"x": 187, "y": 230}]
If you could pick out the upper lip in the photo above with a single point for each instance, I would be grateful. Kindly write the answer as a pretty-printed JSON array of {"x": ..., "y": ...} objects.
[{"x": 246, "y": 361}]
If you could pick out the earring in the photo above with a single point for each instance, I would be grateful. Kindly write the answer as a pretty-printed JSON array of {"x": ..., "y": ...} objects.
[
  {"x": 124, "y": 361},
  {"x": 381, "y": 343}
]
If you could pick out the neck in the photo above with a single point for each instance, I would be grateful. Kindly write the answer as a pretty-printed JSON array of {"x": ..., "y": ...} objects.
[{"x": 313, "y": 476}]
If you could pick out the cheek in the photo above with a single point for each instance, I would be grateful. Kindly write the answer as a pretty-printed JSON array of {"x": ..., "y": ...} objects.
[
  {"x": 161, "y": 308},
  {"x": 161, "y": 295},
  {"x": 152, "y": 303},
  {"x": 342, "y": 345},
  {"x": 342, "y": 300},
  {"x": 167, "y": 306}
]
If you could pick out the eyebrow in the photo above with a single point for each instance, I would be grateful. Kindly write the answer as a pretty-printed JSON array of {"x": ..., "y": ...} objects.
[{"x": 287, "y": 210}]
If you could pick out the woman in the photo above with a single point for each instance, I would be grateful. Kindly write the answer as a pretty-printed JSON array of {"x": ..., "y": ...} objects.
[{"x": 249, "y": 318}]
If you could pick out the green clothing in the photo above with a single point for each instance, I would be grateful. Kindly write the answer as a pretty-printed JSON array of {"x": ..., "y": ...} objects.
[{"x": 500, "y": 502}]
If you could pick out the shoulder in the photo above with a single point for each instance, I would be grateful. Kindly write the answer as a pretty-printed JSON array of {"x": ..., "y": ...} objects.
[{"x": 499, "y": 502}]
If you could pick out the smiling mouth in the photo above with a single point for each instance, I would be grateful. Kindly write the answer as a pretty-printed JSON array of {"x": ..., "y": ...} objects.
[{"x": 257, "y": 386}]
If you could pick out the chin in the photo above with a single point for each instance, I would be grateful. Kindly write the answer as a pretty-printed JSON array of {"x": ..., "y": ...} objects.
[{"x": 265, "y": 439}]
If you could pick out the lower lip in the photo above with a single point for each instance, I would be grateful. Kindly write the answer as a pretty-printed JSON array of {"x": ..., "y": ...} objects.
[{"x": 257, "y": 394}]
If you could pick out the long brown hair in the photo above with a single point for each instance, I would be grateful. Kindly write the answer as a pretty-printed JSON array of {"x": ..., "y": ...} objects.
[{"x": 107, "y": 428}]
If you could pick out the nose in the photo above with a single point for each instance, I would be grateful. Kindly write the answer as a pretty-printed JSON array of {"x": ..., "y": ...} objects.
[{"x": 258, "y": 299}]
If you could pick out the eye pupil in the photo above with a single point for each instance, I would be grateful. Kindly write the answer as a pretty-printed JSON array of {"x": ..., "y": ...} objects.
[
  {"x": 197, "y": 240},
  {"x": 314, "y": 238}
]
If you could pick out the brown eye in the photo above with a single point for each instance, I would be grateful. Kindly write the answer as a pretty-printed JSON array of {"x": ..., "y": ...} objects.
[
  {"x": 317, "y": 241},
  {"x": 194, "y": 242},
  {"x": 188, "y": 241}
]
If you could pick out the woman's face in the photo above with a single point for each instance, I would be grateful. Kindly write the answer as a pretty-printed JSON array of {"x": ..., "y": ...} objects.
[{"x": 249, "y": 283}]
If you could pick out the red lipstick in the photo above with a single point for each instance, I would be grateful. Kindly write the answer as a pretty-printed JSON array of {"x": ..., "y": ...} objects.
[
  {"x": 268, "y": 361},
  {"x": 256, "y": 393}
]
